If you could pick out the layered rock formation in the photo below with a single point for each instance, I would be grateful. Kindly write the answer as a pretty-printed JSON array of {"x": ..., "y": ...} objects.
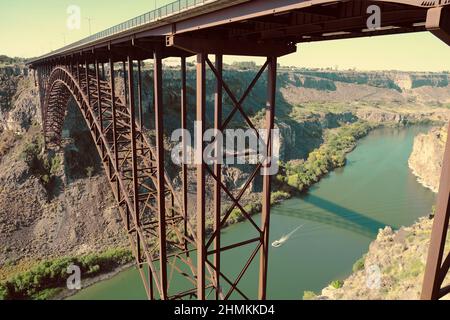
[
  {"x": 55, "y": 213},
  {"x": 427, "y": 156},
  {"x": 393, "y": 269}
]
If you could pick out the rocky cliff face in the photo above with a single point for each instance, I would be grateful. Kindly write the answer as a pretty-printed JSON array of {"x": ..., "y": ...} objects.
[
  {"x": 299, "y": 138},
  {"x": 69, "y": 209},
  {"x": 427, "y": 156},
  {"x": 393, "y": 268},
  {"x": 396, "y": 80},
  {"x": 17, "y": 98},
  {"x": 402, "y": 117},
  {"x": 59, "y": 206},
  {"x": 301, "y": 86},
  {"x": 80, "y": 217}
]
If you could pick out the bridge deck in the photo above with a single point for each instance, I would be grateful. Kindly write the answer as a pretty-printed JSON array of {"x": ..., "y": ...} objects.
[{"x": 213, "y": 23}]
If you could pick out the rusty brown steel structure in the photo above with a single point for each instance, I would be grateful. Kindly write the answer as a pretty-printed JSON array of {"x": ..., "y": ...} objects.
[{"x": 156, "y": 216}]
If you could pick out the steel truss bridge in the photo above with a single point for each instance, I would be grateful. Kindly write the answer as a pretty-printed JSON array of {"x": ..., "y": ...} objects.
[{"x": 162, "y": 237}]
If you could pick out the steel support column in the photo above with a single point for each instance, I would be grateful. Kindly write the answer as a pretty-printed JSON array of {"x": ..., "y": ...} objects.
[
  {"x": 86, "y": 73},
  {"x": 236, "y": 199},
  {"x": 184, "y": 168},
  {"x": 265, "y": 217},
  {"x": 200, "y": 116},
  {"x": 114, "y": 124},
  {"x": 139, "y": 95},
  {"x": 438, "y": 23},
  {"x": 125, "y": 91},
  {"x": 218, "y": 173},
  {"x": 99, "y": 93},
  {"x": 139, "y": 87},
  {"x": 41, "y": 97},
  {"x": 133, "y": 151},
  {"x": 159, "y": 128},
  {"x": 78, "y": 72},
  {"x": 435, "y": 270}
]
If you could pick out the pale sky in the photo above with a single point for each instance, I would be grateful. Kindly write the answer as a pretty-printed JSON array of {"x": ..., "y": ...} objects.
[{"x": 30, "y": 28}]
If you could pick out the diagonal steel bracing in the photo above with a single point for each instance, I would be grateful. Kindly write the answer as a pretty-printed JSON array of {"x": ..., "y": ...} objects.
[
  {"x": 156, "y": 221},
  {"x": 221, "y": 217}
]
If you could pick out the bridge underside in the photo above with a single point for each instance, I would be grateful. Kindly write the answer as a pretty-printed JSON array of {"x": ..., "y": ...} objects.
[
  {"x": 256, "y": 28},
  {"x": 165, "y": 237}
]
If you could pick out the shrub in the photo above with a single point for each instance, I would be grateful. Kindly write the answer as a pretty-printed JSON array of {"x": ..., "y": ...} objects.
[
  {"x": 235, "y": 216},
  {"x": 83, "y": 160},
  {"x": 2, "y": 292},
  {"x": 45, "y": 179},
  {"x": 359, "y": 264},
  {"x": 281, "y": 178},
  {"x": 309, "y": 295},
  {"x": 45, "y": 279},
  {"x": 7, "y": 140},
  {"x": 244, "y": 65},
  {"x": 90, "y": 171},
  {"x": 433, "y": 211},
  {"x": 253, "y": 208},
  {"x": 278, "y": 196},
  {"x": 293, "y": 181},
  {"x": 94, "y": 269},
  {"x": 47, "y": 294},
  {"x": 30, "y": 153},
  {"x": 330, "y": 155},
  {"x": 56, "y": 163},
  {"x": 44, "y": 166},
  {"x": 336, "y": 284}
]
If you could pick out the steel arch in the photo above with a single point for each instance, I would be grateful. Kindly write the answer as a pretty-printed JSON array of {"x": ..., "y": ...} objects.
[{"x": 132, "y": 171}]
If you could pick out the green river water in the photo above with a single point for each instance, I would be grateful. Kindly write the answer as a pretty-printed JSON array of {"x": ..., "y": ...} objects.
[{"x": 340, "y": 215}]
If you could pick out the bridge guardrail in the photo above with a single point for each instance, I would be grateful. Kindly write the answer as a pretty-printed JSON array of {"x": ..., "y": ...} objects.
[{"x": 151, "y": 16}]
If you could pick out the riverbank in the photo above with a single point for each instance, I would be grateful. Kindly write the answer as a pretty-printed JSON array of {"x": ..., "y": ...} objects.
[
  {"x": 427, "y": 157},
  {"x": 300, "y": 175},
  {"x": 47, "y": 279},
  {"x": 296, "y": 177},
  {"x": 392, "y": 269},
  {"x": 88, "y": 282}
]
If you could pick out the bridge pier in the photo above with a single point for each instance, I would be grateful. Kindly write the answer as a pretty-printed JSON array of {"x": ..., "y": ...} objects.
[
  {"x": 201, "y": 216},
  {"x": 160, "y": 187},
  {"x": 265, "y": 217},
  {"x": 218, "y": 97},
  {"x": 220, "y": 221},
  {"x": 437, "y": 267}
]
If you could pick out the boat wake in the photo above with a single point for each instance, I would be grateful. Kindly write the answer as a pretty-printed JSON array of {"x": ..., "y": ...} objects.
[{"x": 278, "y": 243}]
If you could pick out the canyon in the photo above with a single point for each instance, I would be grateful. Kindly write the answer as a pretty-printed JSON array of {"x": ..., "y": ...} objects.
[{"x": 69, "y": 209}]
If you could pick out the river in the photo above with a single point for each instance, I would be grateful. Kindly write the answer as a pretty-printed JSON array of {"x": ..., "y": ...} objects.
[{"x": 340, "y": 215}]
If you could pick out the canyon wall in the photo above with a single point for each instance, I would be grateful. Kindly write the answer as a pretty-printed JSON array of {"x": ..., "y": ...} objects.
[
  {"x": 427, "y": 156},
  {"x": 64, "y": 206}
]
